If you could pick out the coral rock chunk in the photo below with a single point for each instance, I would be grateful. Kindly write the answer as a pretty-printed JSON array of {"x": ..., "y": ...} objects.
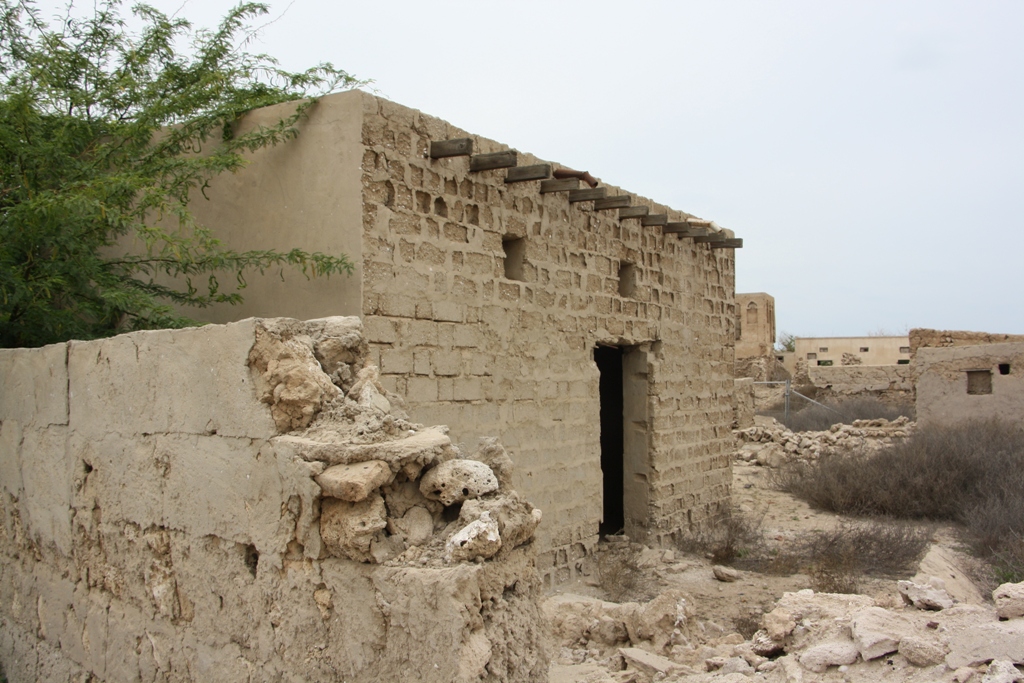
[
  {"x": 477, "y": 539},
  {"x": 1009, "y": 600},
  {"x": 348, "y": 529},
  {"x": 454, "y": 481},
  {"x": 354, "y": 482}
]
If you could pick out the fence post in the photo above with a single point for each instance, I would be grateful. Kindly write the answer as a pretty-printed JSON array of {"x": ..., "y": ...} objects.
[{"x": 787, "y": 400}]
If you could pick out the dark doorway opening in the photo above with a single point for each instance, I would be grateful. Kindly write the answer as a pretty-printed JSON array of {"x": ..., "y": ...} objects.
[{"x": 609, "y": 364}]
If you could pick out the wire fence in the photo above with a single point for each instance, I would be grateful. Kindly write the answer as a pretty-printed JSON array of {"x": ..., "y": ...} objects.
[{"x": 790, "y": 391}]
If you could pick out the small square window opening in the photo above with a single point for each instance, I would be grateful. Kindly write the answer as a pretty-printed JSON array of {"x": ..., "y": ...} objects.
[
  {"x": 863, "y": 349},
  {"x": 627, "y": 279},
  {"x": 979, "y": 382},
  {"x": 515, "y": 255},
  {"x": 1004, "y": 368},
  {"x": 822, "y": 349},
  {"x": 904, "y": 349},
  {"x": 812, "y": 356}
]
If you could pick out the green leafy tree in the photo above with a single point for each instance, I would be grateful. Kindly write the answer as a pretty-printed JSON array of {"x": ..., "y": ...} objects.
[
  {"x": 787, "y": 341},
  {"x": 105, "y": 135}
]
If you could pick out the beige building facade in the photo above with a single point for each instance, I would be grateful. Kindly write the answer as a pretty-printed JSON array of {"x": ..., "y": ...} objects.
[
  {"x": 831, "y": 351},
  {"x": 755, "y": 325},
  {"x": 589, "y": 329}
]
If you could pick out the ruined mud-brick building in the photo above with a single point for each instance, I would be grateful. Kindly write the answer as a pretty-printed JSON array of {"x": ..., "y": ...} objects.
[
  {"x": 755, "y": 325},
  {"x": 964, "y": 375},
  {"x": 589, "y": 328},
  {"x": 979, "y": 382}
]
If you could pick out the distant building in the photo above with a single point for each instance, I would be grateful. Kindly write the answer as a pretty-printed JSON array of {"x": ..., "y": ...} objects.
[
  {"x": 755, "y": 325},
  {"x": 826, "y": 351}
]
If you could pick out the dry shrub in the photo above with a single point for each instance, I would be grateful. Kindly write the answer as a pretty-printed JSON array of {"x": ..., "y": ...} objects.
[
  {"x": 621, "y": 574},
  {"x": 837, "y": 557},
  {"x": 725, "y": 538},
  {"x": 808, "y": 417},
  {"x": 971, "y": 473}
]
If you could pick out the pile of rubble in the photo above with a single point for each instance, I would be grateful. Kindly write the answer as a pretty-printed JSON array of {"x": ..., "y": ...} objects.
[
  {"x": 771, "y": 444},
  {"x": 920, "y": 633},
  {"x": 442, "y": 535},
  {"x": 391, "y": 491}
]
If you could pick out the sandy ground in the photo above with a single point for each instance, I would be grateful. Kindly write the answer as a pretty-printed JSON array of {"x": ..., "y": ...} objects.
[{"x": 738, "y": 605}]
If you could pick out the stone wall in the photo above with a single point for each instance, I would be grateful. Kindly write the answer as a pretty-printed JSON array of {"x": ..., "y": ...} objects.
[
  {"x": 970, "y": 382},
  {"x": 490, "y": 351},
  {"x": 933, "y": 339},
  {"x": 160, "y": 519},
  {"x": 890, "y": 383}
]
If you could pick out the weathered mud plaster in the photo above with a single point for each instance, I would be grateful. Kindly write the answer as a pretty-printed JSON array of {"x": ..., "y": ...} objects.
[
  {"x": 162, "y": 519},
  {"x": 978, "y": 382}
]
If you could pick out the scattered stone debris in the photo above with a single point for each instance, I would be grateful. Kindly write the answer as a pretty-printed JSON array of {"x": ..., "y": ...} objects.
[
  {"x": 770, "y": 444},
  {"x": 850, "y": 638}
]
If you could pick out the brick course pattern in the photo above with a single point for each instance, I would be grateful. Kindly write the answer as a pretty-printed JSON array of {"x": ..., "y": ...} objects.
[{"x": 486, "y": 354}]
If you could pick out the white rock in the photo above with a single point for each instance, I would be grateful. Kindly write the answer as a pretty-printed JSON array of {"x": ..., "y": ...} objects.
[
  {"x": 977, "y": 644},
  {"x": 454, "y": 481},
  {"x": 877, "y": 632},
  {"x": 476, "y": 539},
  {"x": 726, "y": 574},
  {"x": 761, "y": 644},
  {"x": 649, "y": 663},
  {"x": 964, "y": 674},
  {"x": 1009, "y": 600},
  {"x": 369, "y": 397},
  {"x": 736, "y": 665},
  {"x": 924, "y": 596},
  {"x": 835, "y": 653},
  {"x": 1001, "y": 671},
  {"x": 778, "y": 624},
  {"x": 921, "y": 652}
]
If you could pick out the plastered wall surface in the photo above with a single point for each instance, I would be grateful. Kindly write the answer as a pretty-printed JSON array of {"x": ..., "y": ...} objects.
[
  {"x": 943, "y": 384},
  {"x": 487, "y": 354},
  {"x": 160, "y": 519}
]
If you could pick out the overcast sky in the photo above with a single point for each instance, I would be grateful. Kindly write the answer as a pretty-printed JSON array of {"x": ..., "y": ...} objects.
[{"x": 870, "y": 154}]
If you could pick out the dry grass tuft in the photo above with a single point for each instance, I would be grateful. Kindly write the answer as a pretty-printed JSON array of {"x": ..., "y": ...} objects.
[{"x": 972, "y": 473}]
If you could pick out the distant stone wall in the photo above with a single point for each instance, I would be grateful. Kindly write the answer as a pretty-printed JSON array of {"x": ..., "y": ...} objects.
[
  {"x": 169, "y": 513},
  {"x": 890, "y": 383},
  {"x": 970, "y": 382},
  {"x": 925, "y": 338}
]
